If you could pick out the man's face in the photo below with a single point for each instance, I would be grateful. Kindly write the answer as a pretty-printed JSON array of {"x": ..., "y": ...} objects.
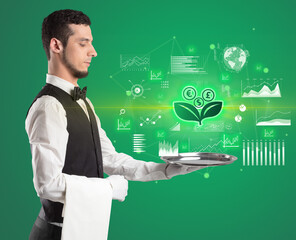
[{"x": 79, "y": 51}]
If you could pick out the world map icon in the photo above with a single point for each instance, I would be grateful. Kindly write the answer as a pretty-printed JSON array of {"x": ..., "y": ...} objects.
[{"x": 235, "y": 58}]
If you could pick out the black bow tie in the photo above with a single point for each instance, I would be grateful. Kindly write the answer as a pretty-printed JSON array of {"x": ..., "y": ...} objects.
[{"x": 78, "y": 93}]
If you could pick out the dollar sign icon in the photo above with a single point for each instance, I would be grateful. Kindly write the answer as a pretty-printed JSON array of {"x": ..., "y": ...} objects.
[
  {"x": 208, "y": 94},
  {"x": 198, "y": 102},
  {"x": 189, "y": 93}
]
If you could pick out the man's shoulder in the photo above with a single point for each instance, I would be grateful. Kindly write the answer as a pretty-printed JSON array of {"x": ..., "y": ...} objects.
[{"x": 46, "y": 103}]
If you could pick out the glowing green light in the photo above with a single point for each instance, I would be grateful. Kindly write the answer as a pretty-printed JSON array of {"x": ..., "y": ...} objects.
[
  {"x": 212, "y": 46},
  {"x": 265, "y": 70},
  {"x": 206, "y": 175}
]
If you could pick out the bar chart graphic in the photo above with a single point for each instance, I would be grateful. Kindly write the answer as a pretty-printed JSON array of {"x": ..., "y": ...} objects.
[
  {"x": 264, "y": 152},
  {"x": 139, "y": 143},
  {"x": 187, "y": 65}
]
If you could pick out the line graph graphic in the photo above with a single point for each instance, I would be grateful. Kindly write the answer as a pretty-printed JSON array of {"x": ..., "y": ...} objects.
[
  {"x": 150, "y": 120},
  {"x": 230, "y": 140},
  {"x": 167, "y": 149},
  {"x": 216, "y": 147},
  {"x": 134, "y": 63},
  {"x": 261, "y": 88},
  {"x": 273, "y": 118}
]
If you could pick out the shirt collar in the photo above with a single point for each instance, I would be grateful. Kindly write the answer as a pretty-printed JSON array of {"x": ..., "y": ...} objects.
[{"x": 60, "y": 83}]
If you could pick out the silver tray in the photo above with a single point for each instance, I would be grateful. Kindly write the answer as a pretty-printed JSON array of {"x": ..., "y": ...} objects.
[{"x": 200, "y": 159}]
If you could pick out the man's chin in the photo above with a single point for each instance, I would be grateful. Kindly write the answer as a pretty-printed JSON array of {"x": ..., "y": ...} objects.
[{"x": 80, "y": 74}]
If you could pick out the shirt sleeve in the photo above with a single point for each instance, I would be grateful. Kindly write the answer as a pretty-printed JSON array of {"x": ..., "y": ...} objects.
[
  {"x": 122, "y": 164},
  {"x": 46, "y": 126}
]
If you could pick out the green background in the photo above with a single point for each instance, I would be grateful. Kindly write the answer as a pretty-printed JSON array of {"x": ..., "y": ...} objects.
[{"x": 236, "y": 202}]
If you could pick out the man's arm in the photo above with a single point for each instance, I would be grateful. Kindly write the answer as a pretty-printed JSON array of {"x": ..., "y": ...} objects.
[
  {"x": 132, "y": 169},
  {"x": 46, "y": 126}
]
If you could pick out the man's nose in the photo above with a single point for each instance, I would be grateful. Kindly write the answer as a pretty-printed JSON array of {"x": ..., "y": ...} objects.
[{"x": 93, "y": 52}]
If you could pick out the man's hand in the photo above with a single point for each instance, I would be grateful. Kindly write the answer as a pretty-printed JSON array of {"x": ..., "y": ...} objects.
[
  {"x": 174, "y": 170},
  {"x": 119, "y": 185}
]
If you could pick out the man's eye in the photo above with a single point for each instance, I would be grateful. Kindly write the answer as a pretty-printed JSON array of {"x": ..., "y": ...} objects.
[{"x": 82, "y": 45}]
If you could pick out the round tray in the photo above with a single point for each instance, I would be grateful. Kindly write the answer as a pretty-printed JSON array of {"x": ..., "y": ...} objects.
[{"x": 200, "y": 159}]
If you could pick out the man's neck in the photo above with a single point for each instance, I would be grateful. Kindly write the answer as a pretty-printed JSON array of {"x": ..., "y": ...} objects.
[{"x": 65, "y": 76}]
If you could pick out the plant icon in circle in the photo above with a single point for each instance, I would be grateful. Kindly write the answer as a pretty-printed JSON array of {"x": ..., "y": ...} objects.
[{"x": 198, "y": 111}]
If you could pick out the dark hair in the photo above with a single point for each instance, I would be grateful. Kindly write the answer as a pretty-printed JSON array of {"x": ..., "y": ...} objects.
[{"x": 56, "y": 25}]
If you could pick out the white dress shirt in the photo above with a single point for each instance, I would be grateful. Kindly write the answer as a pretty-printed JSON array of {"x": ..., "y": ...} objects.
[{"x": 46, "y": 126}]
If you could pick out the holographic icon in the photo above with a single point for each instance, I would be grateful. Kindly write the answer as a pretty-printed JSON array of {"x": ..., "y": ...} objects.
[
  {"x": 189, "y": 112},
  {"x": 208, "y": 94},
  {"x": 242, "y": 108},
  {"x": 238, "y": 118},
  {"x": 214, "y": 146},
  {"x": 123, "y": 124},
  {"x": 231, "y": 140},
  {"x": 269, "y": 133},
  {"x": 261, "y": 88},
  {"x": 150, "y": 120},
  {"x": 273, "y": 118},
  {"x": 155, "y": 75},
  {"x": 122, "y": 111},
  {"x": 137, "y": 90},
  {"x": 165, "y": 84},
  {"x": 235, "y": 58},
  {"x": 176, "y": 127},
  {"x": 160, "y": 134},
  {"x": 264, "y": 152},
  {"x": 166, "y": 149},
  {"x": 187, "y": 65},
  {"x": 198, "y": 102},
  {"x": 226, "y": 89},
  {"x": 225, "y": 76},
  {"x": 139, "y": 143},
  {"x": 134, "y": 63},
  {"x": 189, "y": 93}
]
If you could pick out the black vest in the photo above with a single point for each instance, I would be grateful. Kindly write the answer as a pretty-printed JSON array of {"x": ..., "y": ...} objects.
[{"x": 80, "y": 154}]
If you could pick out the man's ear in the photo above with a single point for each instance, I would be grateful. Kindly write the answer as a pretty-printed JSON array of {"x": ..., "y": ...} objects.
[{"x": 56, "y": 46}]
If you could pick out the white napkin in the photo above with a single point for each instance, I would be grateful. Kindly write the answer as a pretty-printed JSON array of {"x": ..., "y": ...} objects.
[{"x": 87, "y": 208}]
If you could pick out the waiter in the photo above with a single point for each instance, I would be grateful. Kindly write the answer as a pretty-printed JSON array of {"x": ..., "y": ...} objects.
[{"x": 64, "y": 132}]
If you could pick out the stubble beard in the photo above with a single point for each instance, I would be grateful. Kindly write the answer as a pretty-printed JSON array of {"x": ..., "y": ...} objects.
[{"x": 75, "y": 72}]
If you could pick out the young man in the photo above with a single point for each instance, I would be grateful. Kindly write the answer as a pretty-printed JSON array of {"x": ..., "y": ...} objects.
[{"x": 64, "y": 133}]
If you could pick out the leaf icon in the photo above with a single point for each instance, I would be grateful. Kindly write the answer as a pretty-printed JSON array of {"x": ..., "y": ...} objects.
[
  {"x": 186, "y": 111},
  {"x": 211, "y": 109}
]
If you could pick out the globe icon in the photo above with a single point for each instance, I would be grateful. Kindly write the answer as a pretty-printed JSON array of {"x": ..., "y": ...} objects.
[{"x": 235, "y": 58}]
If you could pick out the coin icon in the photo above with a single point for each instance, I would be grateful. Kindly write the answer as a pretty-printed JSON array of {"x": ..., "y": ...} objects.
[
  {"x": 189, "y": 93},
  {"x": 198, "y": 102},
  {"x": 208, "y": 94}
]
